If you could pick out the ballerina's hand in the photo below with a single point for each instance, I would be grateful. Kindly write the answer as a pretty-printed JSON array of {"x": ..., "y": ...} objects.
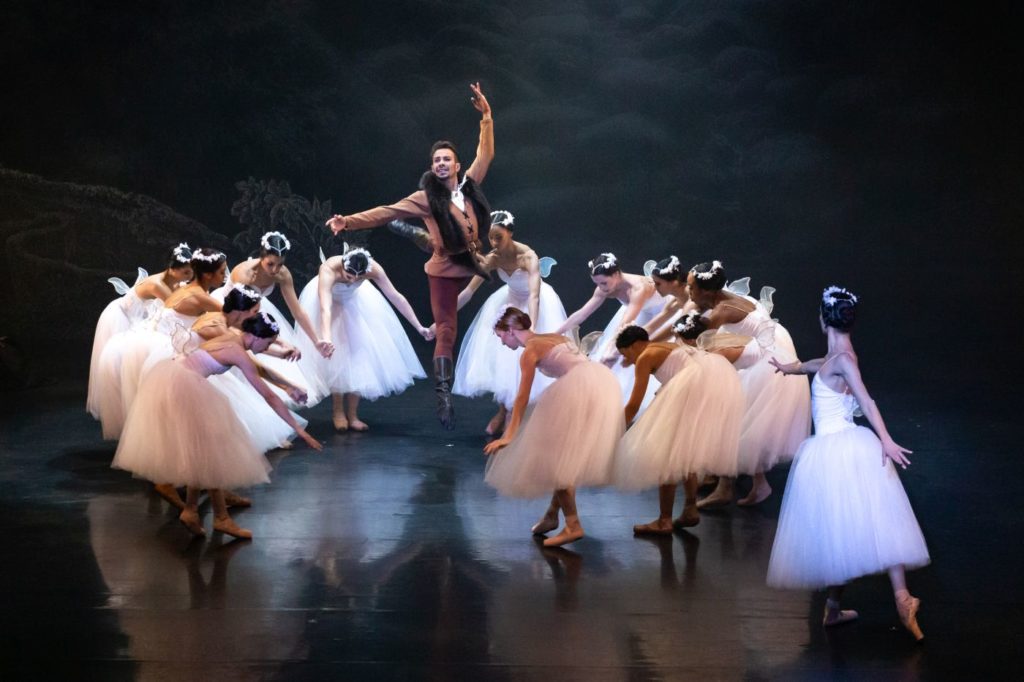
[
  {"x": 298, "y": 395},
  {"x": 495, "y": 445},
  {"x": 427, "y": 332},
  {"x": 787, "y": 368},
  {"x": 609, "y": 360},
  {"x": 326, "y": 348},
  {"x": 310, "y": 441},
  {"x": 291, "y": 353},
  {"x": 479, "y": 101},
  {"x": 897, "y": 453},
  {"x": 337, "y": 223}
]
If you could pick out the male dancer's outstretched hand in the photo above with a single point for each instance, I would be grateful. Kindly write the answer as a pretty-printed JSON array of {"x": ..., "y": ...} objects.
[
  {"x": 479, "y": 101},
  {"x": 337, "y": 223}
]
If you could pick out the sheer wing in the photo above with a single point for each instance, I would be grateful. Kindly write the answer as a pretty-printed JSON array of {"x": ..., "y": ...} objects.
[
  {"x": 649, "y": 267},
  {"x": 546, "y": 263},
  {"x": 740, "y": 287}
]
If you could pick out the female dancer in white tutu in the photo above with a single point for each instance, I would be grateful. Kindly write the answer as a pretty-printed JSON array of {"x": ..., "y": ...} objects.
[
  {"x": 778, "y": 415},
  {"x": 125, "y": 355},
  {"x": 845, "y": 513},
  {"x": 691, "y": 429},
  {"x": 670, "y": 282},
  {"x": 569, "y": 439},
  {"x": 184, "y": 431},
  {"x": 640, "y": 303},
  {"x": 264, "y": 274},
  {"x": 130, "y": 309},
  {"x": 483, "y": 365},
  {"x": 371, "y": 355}
]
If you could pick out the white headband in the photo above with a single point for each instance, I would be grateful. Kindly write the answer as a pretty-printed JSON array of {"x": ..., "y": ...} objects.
[{"x": 267, "y": 246}]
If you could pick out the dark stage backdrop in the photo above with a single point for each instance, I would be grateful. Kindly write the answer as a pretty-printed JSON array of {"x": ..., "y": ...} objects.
[{"x": 871, "y": 144}]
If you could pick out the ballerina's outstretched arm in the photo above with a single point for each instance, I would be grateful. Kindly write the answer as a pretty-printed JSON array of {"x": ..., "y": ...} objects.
[
  {"x": 528, "y": 366},
  {"x": 401, "y": 303},
  {"x": 846, "y": 366},
  {"x": 325, "y": 279},
  {"x": 585, "y": 311}
]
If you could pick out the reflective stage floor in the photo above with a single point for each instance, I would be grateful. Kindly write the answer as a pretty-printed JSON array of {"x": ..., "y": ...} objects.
[{"x": 385, "y": 557}]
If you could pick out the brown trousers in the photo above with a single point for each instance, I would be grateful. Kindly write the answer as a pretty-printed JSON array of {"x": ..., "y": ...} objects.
[{"x": 444, "y": 304}]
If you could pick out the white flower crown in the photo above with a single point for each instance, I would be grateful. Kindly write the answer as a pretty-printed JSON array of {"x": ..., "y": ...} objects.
[
  {"x": 501, "y": 313},
  {"x": 345, "y": 257},
  {"x": 267, "y": 246},
  {"x": 686, "y": 323},
  {"x": 828, "y": 296},
  {"x": 716, "y": 267},
  {"x": 247, "y": 291},
  {"x": 270, "y": 322},
  {"x": 211, "y": 258},
  {"x": 506, "y": 221},
  {"x": 609, "y": 261},
  {"x": 673, "y": 266},
  {"x": 180, "y": 253}
]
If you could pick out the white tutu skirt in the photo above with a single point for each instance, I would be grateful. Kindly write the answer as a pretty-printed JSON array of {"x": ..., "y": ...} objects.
[
  {"x": 372, "y": 354},
  {"x": 183, "y": 431},
  {"x": 293, "y": 372},
  {"x": 843, "y": 515},
  {"x": 567, "y": 440},
  {"x": 485, "y": 365},
  {"x": 692, "y": 427},
  {"x": 777, "y": 417},
  {"x": 624, "y": 375},
  {"x": 113, "y": 320},
  {"x": 119, "y": 373}
]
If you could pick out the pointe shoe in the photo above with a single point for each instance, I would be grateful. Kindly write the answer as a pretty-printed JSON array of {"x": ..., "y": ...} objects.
[
  {"x": 688, "y": 519},
  {"x": 565, "y": 537},
  {"x": 835, "y": 617},
  {"x": 170, "y": 494},
  {"x": 229, "y": 527},
  {"x": 235, "y": 500},
  {"x": 496, "y": 425},
  {"x": 190, "y": 519},
  {"x": 653, "y": 528},
  {"x": 907, "y": 606},
  {"x": 546, "y": 524}
]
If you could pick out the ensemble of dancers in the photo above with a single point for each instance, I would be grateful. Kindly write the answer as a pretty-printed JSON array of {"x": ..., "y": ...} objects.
[{"x": 196, "y": 374}]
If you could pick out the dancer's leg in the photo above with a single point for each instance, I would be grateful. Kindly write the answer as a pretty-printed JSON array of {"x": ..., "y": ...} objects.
[
  {"x": 222, "y": 521},
  {"x": 497, "y": 423},
  {"x": 691, "y": 515},
  {"x": 722, "y": 494},
  {"x": 573, "y": 530},
  {"x": 833, "y": 614},
  {"x": 663, "y": 524},
  {"x": 190, "y": 514},
  {"x": 906, "y": 604},
  {"x": 351, "y": 412},
  {"x": 549, "y": 521},
  {"x": 444, "y": 304},
  {"x": 170, "y": 494},
  {"x": 759, "y": 491},
  {"x": 338, "y": 412}
]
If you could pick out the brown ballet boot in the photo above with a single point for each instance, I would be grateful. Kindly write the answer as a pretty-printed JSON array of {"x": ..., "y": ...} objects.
[{"x": 443, "y": 372}]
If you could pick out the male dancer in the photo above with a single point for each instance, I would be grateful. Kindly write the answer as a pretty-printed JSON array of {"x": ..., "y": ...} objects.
[{"x": 453, "y": 212}]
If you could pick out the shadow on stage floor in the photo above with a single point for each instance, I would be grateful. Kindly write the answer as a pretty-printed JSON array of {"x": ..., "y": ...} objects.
[{"x": 386, "y": 557}]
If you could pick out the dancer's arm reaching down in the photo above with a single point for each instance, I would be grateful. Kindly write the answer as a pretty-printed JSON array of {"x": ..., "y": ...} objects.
[
  {"x": 324, "y": 281},
  {"x": 846, "y": 367},
  {"x": 287, "y": 286},
  {"x": 643, "y": 369},
  {"x": 528, "y": 366},
  {"x": 401, "y": 303},
  {"x": 581, "y": 315},
  {"x": 470, "y": 289},
  {"x": 532, "y": 265}
]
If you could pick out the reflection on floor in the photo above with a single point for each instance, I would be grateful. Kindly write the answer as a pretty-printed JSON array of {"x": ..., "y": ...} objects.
[{"x": 386, "y": 557}]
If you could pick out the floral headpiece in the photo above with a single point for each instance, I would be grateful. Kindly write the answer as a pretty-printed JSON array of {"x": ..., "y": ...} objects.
[
  {"x": 716, "y": 267},
  {"x": 267, "y": 246},
  {"x": 269, "y": 321},
  {"x": 686, "y": 323},
  {"x": 501, "y": 313},
  {"x": 505, "y": 220},
  {"x": 673, "y": 266},
  {"x": 828, "y": 297},
  {"x": 247, "y": 291},
  {"x": 208, "y": 258},
  {"x": 347, "y": 256},
  {"x": 182, "y": 253},
  {"x": 605, "y": 260}
]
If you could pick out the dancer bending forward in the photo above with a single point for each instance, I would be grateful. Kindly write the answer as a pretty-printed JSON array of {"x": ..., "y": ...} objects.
[
  {"x": 845, "y": 513},
  {"x": 569, "y": 439},
  {"x": 370, "y": 354},
  {"x": 183, "y": 431},
  {"x": 690, "y": 430}
]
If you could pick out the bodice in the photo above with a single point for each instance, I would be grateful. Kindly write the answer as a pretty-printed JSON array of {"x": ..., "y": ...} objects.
[
  {"x": 674, "y": 363},
  {"x": 265, "y": 291},
  {"x": 652, "y": 307},
  {"x": 518, "y": 284},
  {"x": 560, "y": 359},
  {"x": 133, "y": 307},
  {"x": 169, "y": 319},
  {"x": 201, "y": 362},
  {"x": 833, "y": 411},
  {"x": 344, "y": 290}
]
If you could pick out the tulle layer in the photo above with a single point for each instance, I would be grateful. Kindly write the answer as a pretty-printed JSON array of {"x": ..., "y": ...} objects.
[
  {"x": 626, "y": 375},
  {"x": 293, "y": 372},
  {"x": 119, "y": 373},
  {"x": 113, "y": 320},
  {"x": 777, "y": 417},
  {"x": 567, "y": 440},
  {"x": 843, "y": 515},
  {"x": 692, "y": 427},
  {"x": 181, "y": 430},
  {"x": 372, "y": 354},
  {"x": 485, "y": 365}
]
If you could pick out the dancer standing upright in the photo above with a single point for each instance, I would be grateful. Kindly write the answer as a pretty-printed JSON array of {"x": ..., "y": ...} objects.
[{"x": 453, "y": 210}]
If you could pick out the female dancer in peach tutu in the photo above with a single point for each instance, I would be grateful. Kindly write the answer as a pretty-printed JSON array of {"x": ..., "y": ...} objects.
[
  {"x": 845, "y": 513},
  {"x": 569, "y": 439}
]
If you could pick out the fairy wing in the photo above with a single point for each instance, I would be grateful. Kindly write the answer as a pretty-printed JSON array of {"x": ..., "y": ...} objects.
[
  {"x": 766, "y": 298},
  {"x": 119, "y": 286},
  {"x": 649, "y": 267},
  {"x": 323, "y": 258},
  {"x": 740, "y": 287},
  {"x": 589, "y": 342},
  {"x": 546, "y": 263}
]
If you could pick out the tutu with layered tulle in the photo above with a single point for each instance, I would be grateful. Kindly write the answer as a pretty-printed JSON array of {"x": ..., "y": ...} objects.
[
  {"x": 181, "y": 430},
  {"x": 372, "y": 354},
  {"x": 484, "y": 364},
  {"x": 606, "y": 344},
  {"x": 692, "y": 427},
  {"x": 567, "y": 440},
  {"x": 843, "y": 514},
  {"x": 118, "y": 316}
]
